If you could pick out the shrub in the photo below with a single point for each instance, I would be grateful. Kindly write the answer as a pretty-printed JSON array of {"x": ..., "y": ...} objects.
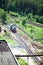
[
  {"x": 3, "y": 15},
  {"x": 30, "y": 15},
  {"x": 37, "y": 18},
  {"x": 14, "y": 14},
  {"x": 31, "y": 30},
  {"x": 41, "y": 19},
  {"x": 1, "y": 12},
  {"x": 24, "y": 22},
  {"x": 4, "y": 18}
]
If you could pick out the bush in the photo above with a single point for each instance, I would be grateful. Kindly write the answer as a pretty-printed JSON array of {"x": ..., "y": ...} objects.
[
  {"x": 30, "y": 15},
  {"x": 41, "y": 19},
  {"x": 1, "y": 12},
  {"x": 24, "y": 22},
  {"x": 37, "y": 18},
  {"x": 14, "y": 14},
  {"x": 3, "y": 15}
]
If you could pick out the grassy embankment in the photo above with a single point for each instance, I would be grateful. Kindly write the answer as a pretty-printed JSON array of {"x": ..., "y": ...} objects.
[
  {"x": 33, "y": 32},
  {"x": 22, "y": 62}
]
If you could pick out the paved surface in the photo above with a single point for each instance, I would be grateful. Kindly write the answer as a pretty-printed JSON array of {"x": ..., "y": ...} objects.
[
  {"x": 3, "y": 46},
  {"x": 6, "y": 57}
]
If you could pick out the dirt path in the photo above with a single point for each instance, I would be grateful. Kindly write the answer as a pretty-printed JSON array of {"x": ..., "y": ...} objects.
[{"x": 36, "y": 24}]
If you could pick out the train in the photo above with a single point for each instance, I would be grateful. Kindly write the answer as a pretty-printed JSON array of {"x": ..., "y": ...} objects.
[{"x": 13, "y": 28}]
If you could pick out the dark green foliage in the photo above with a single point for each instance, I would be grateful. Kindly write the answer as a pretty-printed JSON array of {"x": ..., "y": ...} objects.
[
  {"x": 3, "y": 15},
  {"x": 30, "y": 15},
  {"x": 24, "y": 22},
  {"x": 41, "y": 19},
  {"x": 14, "y": 14},
  {"x": 5, "y": 32},
  {"x": 31, "y": 30},
  {"x": 4, "y": 4},
  {"x": 37, "y": 18},
  {"x": 24, "y": 6}
]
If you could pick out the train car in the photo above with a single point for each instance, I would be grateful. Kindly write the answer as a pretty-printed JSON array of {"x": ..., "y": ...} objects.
[{"x": 13, "y": 28}]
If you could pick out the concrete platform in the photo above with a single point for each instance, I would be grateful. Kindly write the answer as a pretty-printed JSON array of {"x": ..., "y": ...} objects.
[{"x": 6, "y": 57}]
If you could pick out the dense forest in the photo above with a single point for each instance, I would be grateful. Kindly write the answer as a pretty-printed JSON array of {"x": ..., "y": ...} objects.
[{"x": 27, "y": 6}]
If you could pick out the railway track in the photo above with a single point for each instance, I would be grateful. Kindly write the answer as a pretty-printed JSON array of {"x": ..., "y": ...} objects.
[{"x": 24, "y": 44}]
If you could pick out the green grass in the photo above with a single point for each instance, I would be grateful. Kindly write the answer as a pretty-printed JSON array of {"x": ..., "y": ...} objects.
[
  {"x": 14, "y": 14},
  {"x": 39, "y": 52},
  {"x": 22, "y": 62},
  {"x": 1, "y": 37},
  {"x": 10, "y": 41},
  {"x": 8, "y": 38},
  {"x": 40, "y": 41},
  {"x": 36, "y": 32}
]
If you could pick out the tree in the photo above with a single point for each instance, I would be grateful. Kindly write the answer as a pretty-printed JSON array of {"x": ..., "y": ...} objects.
[
  {"x": 3, "y": 15},
  {"x": 4, "y": 18},
  {"x": 30, "y": 6}
]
